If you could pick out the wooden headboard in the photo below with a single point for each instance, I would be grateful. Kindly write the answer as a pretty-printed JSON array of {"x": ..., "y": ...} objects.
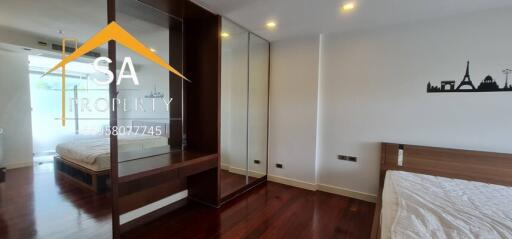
[
  {"x": 487, "y": 167},
  {"x": 479, "y": 166},
  {"x": 164, "y": 127}
]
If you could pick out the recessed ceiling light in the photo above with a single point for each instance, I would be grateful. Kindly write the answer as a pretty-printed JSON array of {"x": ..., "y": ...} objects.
[
  {"x": 347, "y": 7},
  {"x": 271, "y": 25},
  {"x": 152, "y": 49},
  {"x": 224, "y": 34}
]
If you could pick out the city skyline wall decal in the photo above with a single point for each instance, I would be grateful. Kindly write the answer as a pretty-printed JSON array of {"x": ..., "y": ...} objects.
[{"x": 488, "y": 84}]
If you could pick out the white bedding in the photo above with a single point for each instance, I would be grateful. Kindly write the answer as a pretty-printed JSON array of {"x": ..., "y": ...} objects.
[
  {"x": 424, "y": 206},
  {"x": 95, "y": 153}
]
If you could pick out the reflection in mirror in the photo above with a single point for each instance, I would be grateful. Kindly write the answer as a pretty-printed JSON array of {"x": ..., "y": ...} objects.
[
  {"x": 258, "y": 107},
  {"x": 143, "y": 101},
  {"x": 51, "y": 123},
  {"x": 234, "y": 103},
  {"x": 148, "y": 112}
]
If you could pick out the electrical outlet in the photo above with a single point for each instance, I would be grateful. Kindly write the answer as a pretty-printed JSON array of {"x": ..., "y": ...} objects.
[
  {"x": 256, "y": 162},
  {"x": 347, "y": 158},
  {"x": 342, "y": 157},
  {"x": 278, "y": 165}
]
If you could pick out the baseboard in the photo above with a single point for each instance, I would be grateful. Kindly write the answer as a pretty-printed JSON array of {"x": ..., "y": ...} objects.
[
  {"x": 242, "y": 171},
  {"x": 292, "y": 182},
  {"x": 323, "y": 187},
  {"x": 224, "y": 166},
  {"x": 13, "y": 165},
  {"x": 347, "y": 192}
]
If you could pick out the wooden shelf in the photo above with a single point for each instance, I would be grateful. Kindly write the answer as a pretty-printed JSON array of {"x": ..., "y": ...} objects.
[{"x": 186, "y": 162}]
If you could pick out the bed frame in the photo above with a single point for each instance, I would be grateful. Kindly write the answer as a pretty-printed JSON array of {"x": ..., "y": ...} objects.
[
  {"x": 97, "y": 181},
  {"x": 487, "y": 167}
]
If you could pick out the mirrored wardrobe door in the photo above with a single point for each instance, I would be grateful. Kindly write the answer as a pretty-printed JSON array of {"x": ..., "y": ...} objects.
[
  {"x": 234, "y": 103},
  {"x": 258, "y": 107}
]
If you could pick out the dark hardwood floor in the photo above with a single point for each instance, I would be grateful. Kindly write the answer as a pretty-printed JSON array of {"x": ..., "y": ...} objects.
[
  {"x": 36, "y": 204},
  {"x": 269, "y": 211},
  {"x": 231, "y": 182}
]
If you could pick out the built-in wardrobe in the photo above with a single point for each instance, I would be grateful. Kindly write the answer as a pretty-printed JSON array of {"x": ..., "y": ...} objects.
[
  {"x": 216, "y": 123},
  {"x": 244, "y": 109}
]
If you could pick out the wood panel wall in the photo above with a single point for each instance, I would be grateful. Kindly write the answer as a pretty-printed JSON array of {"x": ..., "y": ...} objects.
[
  {"x": 201, "y": 46},
  {"x": 202, "y": 52}
]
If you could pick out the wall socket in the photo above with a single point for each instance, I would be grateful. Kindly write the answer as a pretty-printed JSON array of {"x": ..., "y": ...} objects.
[
  {"x": 278, "y": 165},
  {"x": 347, "y": 158}
]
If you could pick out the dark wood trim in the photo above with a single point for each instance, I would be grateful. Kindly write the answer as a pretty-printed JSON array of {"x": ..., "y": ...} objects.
[
  {"x": 111, "y": 17},
  {"x": 148, "y": 190},
  {"x": 141, "y": 186},
  {"x": 219, "y": 106},
  {"x": 201, "y": 44},
  {"x": 487, "y": 167},
  {"x": 2, "y": 175},
  {"x": 184, "y": 163},
  {"x": 176, "y": 84},
  {"x": 201, "y": 66},
  {"x": 171, "y": 7}
]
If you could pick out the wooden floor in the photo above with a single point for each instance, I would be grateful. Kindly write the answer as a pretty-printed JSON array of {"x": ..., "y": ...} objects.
[
  {"x": 231, "y": 182},
  {"x": 268, "y": 211},
  {"x": 35, "y": 204}
]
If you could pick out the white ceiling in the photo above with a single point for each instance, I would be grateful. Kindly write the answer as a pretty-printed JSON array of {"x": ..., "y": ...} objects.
[
  {"x": 78, "y": 19},
  {"x": 305, "y": 17}
]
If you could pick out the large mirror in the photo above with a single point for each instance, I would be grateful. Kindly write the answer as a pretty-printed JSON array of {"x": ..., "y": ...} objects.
[
  {"x": 257, "y": 137},
  {"x": 149, "y": 111},
  {"x": 244, "y": 108},
  {"x": 143, "y": 100}
]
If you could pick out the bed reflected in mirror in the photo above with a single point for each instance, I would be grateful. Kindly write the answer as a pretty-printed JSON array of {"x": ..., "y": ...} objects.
[{"x": 149, "y": 111}]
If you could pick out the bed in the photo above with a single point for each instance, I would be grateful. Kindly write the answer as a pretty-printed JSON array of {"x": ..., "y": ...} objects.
[
  {"x": 443, "y": 193},
  {"x": 87, "y": 162}
]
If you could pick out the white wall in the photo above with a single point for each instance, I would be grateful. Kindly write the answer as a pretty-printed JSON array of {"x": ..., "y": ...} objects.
[
  {"x": 15, "y": 116},
  {"x": 372, "y": 88},
  {"x": 293, "y": 108}
]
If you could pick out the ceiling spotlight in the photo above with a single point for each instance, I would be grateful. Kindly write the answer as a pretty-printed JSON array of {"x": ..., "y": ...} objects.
[
  {"x": 224, "y": 34},
  {"x": 347, "y": 7},
  {"x": 152, "y": 49},
  {"x": 271, "y": 25}
]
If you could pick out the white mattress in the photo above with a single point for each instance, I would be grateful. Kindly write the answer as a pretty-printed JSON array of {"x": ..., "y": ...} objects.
[
  {"x": 424, "y": 206},
  {"x": 94, "y": 154}
]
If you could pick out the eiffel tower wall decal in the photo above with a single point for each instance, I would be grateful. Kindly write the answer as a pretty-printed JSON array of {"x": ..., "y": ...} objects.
[{"x": 488, "y": 84}]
